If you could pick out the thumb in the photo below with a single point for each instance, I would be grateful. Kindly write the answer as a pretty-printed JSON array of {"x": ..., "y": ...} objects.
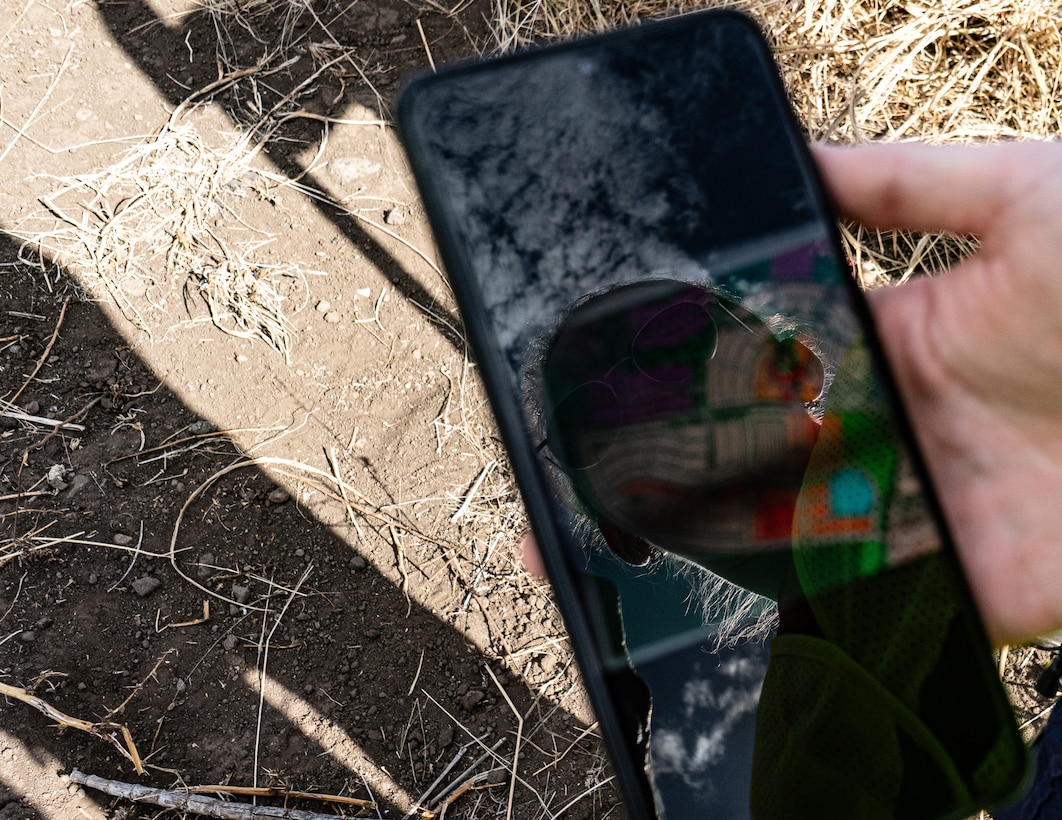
[{"x": 913, "y": 186}]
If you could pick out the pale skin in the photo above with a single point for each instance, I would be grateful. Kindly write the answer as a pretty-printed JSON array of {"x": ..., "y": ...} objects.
[{"x": 977, "y": 353}]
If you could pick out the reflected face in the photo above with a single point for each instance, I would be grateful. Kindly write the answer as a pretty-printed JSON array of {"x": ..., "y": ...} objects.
[{"x": 681, "y": 419}]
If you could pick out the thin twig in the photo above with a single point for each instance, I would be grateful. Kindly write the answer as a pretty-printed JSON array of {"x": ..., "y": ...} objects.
[
  {"x": 40, "y": 103},
  {"x": 101, "y": 729},
  {"x": 44, "y": 356},
  {"x": 136, "y": 554},
  {"x": 519, "y": 739},
  {"x": 265, "y": 665},
  {"x": 187, "y": 801}
]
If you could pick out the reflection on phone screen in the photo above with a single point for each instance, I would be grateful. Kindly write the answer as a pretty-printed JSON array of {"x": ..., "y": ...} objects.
[{"x": 751, "y": 531}]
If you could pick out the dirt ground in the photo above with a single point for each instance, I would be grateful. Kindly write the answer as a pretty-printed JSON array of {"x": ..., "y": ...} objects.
[
  {"x": 281, "y": 555},
  {"x": 275, "y": 540}
]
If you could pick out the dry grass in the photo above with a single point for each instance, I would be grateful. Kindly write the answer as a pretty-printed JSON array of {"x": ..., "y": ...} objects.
[
  {"x": 856, "y": 70},
  {"x": 166, "y": 216}
]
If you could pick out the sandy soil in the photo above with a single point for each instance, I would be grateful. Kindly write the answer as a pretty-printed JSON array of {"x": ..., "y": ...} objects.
[{"x": 181, "y": 560}]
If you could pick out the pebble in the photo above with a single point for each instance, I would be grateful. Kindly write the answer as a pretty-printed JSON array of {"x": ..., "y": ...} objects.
[
  {"x": 279, "y": 496},
  {"x": 206, "y": 561},
  {"x": 351, "y": 170},
  {"x": 77, "y": 484},
  {"x": 323, "y": 306},
  {"x": 32, "y": 408},
  {"x": 241, "y": 593},
  {"x": 395, "y": 216},
  {"x": 121, "y": 539},
  {"x": 29, "y": 636},
  {"x": 333, "y": 318},
  {"x": 56, "y": 476},
  {"x": 358, "y": 563},
  {"x": 133, "y": 286},
  {"x": 229, "y": 642},
  {"x": 93, "y": 578},
  {"x": 145, "y": 585}
]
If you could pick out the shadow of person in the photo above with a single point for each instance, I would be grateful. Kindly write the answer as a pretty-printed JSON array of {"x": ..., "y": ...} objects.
[
  {"x": 153, "y": 575},
  {"x": 680, "y": 422}
]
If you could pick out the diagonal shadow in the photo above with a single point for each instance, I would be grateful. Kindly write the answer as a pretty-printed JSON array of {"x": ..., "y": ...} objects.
[
  {"x": 365, "y": 688},
  {"x": 158, "y": 49}
]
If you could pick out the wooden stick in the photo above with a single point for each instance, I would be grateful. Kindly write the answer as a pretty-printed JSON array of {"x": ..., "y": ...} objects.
[
  {"x": 18, "y": 416},
  {"x": 99, "y": 730},
  {"x": 44, "y": 355},
  {"x": 205, "y": 806},
  {"x": 62, "y": 426}
]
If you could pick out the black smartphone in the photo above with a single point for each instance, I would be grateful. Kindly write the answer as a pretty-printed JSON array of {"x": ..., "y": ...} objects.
[{"x": 769, "y": 615}]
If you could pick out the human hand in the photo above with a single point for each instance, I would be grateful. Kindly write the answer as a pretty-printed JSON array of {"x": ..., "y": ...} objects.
[{"x": 977, "y": 353}]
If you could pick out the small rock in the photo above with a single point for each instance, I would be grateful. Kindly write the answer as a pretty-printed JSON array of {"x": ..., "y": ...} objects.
[
  {"x": 395, "y": 216},
  {"x": 323, "y": 306},
  {"x": 77, "y": 484},
  {"x": 300, "y": 552},
  {"x": 241, "y": 593},
  {"x": 206, "y": 561},
  {"x": 357, "y": 563},
  {"x": 29, "y": 636},
  {"x": 351, "y": 170},
  {"x": 82, "y": 686},
  {"x": 101, "y": 372},
  {"x": 93, "y": 578},
  {"x": 471, "y": 699},
  {"x": 279, "y": 496},
  {"x": 197, "y": 428},
  {"x": 44, "y": 622},
  {"x": 56, "y": 474},
  {"x": 333, "y": 317},
  {"x": 133, "y": 286},
  {"x": 241, "y": 358},
  {"x": 32, "y": 408},
  {"x": 121, "y": 539},
  {"x": 229, "y": 642},
  {"x": 146, "y": 585}
]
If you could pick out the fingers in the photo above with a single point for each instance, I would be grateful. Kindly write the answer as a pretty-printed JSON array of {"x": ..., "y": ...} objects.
[
  {"x": 530, "y": 557},
  {"x": 958, "y": 188}
]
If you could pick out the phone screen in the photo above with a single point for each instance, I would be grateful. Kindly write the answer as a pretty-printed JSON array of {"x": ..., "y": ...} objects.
[{"x": 715, "y": 466}]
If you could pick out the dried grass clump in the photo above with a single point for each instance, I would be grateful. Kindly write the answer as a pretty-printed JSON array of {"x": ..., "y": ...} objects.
[
  {"x": 953, "y": 71},
  {"x": 168, "y": 215}
]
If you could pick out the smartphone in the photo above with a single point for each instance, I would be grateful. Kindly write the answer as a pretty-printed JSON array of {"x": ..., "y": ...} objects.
[{"x": 768, "y": 612}]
